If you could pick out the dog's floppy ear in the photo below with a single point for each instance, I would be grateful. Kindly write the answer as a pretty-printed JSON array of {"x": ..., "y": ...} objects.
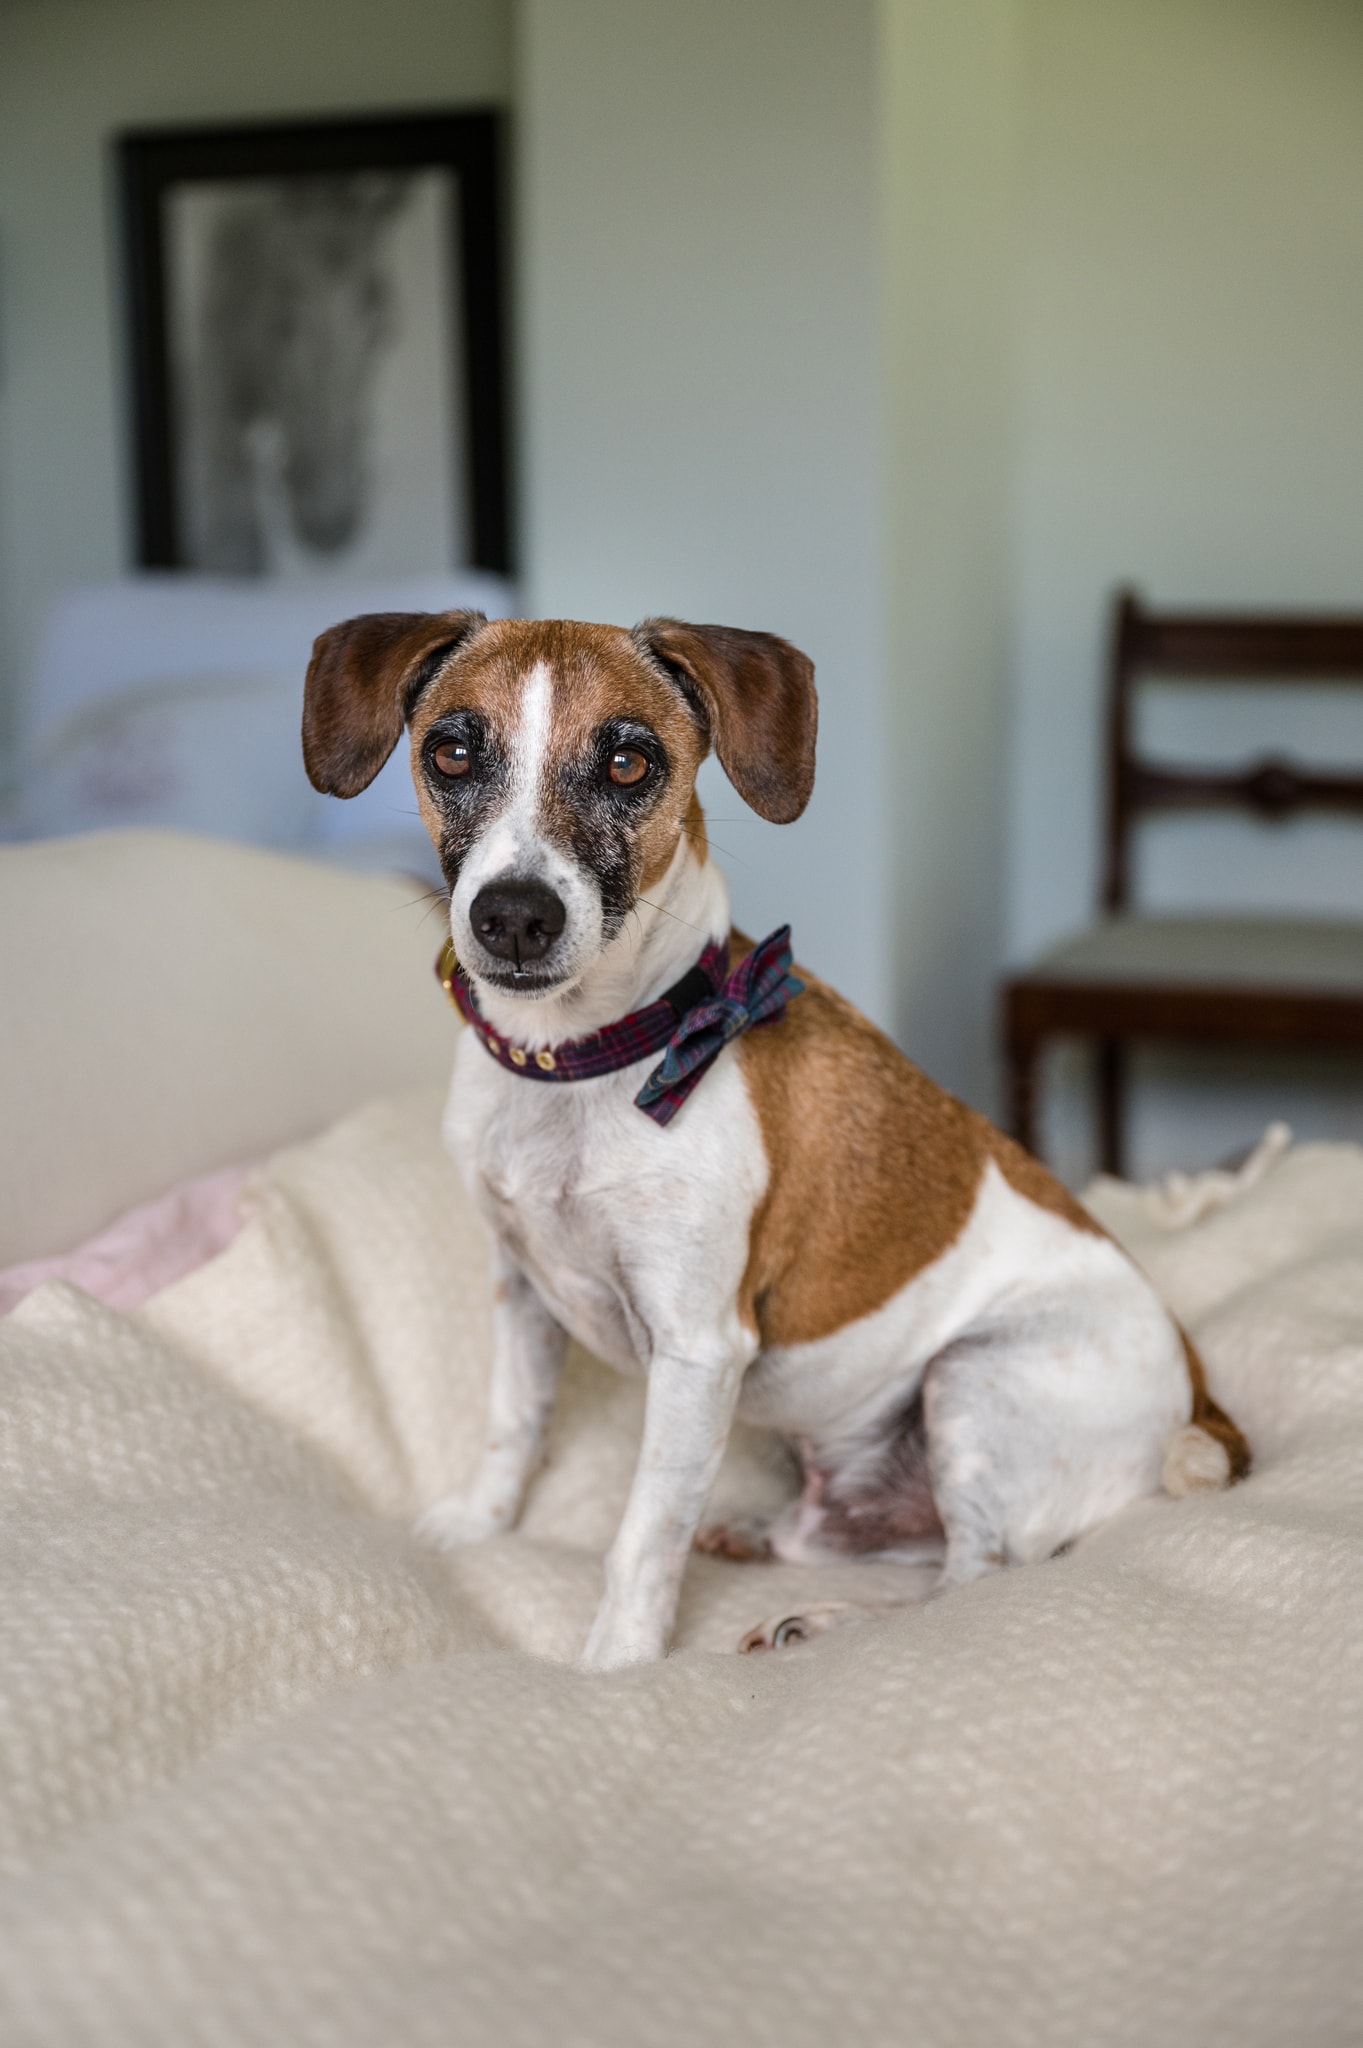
[
  {"x": 757, "y": 697},
  {"x": 363, "y": 680}
]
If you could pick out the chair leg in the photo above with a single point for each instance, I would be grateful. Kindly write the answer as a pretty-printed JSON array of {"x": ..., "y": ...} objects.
[
  {"x": 1021, "y": 1061},
  {"x": 1111, "y": 1104}
]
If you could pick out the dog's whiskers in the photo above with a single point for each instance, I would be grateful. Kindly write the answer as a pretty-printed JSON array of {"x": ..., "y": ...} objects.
[
  {"x": 430, "y": 900},
  {"x": 663, "y": 911},
  {"x": 701, "y": 840}
]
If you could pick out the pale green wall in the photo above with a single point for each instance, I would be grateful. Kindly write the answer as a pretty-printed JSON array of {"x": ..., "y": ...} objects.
[
  {"x": 703, "y": 421},
  {"x": 765, "y": 314},
  {"x": 1190, "y": 384},
  {"x": 72, "y": 73},
  {"x": 900, "y": 326},
  {"x": 949, "y": 92}
]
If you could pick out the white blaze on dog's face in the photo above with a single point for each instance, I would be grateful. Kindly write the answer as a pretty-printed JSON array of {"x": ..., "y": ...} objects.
[{"x": 555, "y": 762}]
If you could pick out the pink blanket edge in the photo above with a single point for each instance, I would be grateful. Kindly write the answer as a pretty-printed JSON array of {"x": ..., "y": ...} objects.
[{"x": 146, "y": 1248}]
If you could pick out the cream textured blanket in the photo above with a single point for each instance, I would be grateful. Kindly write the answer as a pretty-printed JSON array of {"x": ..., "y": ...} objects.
[{"x": 271, "y": 1773}]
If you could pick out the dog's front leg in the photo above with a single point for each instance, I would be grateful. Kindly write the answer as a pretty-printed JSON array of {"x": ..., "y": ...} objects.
[
  {"x": 687, "y": 1417},
  {"x": 528, "y": 1349}
]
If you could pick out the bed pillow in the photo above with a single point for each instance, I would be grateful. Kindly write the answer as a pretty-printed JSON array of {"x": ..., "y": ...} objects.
[
  {"x": 171, "y": 1004},
  {"x": 199, "y": 753}
]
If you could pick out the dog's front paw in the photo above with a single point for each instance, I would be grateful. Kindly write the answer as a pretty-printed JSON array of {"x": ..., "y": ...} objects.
[{"x": 455, "y": 1522}]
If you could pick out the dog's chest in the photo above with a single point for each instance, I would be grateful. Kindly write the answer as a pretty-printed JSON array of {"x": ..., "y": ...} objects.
[
  {"x": 551, "y": 1197},
  {"x": 622, "y": 1226}
]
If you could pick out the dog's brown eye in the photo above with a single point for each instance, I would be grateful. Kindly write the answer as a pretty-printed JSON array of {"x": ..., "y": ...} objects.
[
  {"x": 452, "y": 758},
  {"x": 628, "y": 766}
]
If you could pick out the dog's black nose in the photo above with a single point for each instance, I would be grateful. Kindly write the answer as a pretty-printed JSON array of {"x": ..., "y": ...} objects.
[{"x": 517, "y": 920}]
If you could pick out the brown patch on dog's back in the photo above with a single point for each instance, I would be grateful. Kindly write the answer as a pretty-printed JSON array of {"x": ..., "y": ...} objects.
[
  {"x": 874, "y": 1172},
  {"x": 874, "y": 1169}
]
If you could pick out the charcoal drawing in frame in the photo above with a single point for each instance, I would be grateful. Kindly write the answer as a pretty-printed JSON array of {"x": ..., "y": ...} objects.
[{"x": 316, "y": 346}]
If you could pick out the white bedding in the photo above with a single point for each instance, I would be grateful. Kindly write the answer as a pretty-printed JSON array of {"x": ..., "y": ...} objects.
[{"x": 271, "y": 1773}]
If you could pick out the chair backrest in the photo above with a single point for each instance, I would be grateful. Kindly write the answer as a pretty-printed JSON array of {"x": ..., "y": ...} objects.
[{"x": 1230, "y": 647}]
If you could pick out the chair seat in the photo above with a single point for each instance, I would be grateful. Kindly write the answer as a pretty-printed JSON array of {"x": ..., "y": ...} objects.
[
  {"x": 1231, "y": 980},
  {"x": 1270, "y": 983},
  {"x": 1308, "y": 956}
]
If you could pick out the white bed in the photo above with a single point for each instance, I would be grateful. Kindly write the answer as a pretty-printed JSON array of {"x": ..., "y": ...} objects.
[
  {"x": 270, "y": 1772},
  {"x": 174, "y": 700}
]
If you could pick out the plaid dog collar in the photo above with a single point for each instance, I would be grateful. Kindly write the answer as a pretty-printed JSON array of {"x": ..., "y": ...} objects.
[{"x": 690, "y": 1023}]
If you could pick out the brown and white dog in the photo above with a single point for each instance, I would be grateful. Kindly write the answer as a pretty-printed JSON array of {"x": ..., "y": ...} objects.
[{"x": 822, "y": 1241}]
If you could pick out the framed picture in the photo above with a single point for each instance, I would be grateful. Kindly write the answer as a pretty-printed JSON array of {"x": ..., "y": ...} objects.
[{"x": 316, "y": 346}]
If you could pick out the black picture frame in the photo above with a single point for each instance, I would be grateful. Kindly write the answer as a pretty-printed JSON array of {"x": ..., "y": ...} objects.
[{"x": 152, "y": 163}]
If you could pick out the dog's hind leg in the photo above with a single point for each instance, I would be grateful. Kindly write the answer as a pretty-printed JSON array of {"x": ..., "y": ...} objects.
[
  {"x": 1045, "y": 1425},
  {"x": 757, "y": 1539},
  {"x": 1027, "y": 1434},
  {"x": 871, "y": 1500},
  {"x": 866, "y": 1498},
  {"x": 743, "y": 1539}
]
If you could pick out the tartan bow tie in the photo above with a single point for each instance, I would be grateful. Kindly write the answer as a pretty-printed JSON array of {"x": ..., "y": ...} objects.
[
  {"x": 690, "y": 1023},
  {"x": 755, "y": 993}
]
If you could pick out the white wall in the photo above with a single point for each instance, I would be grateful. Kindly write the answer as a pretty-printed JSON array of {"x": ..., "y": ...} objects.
[
  {"x": 755, "y": 241},
  {"x": 949, "y": 80},
  {"x": 1190, "y": 418},
  {"x": 900, "y": 327},
  {"x": 701, "y": 406},
  {"x": 74, "y": 72},
  {"x": 765, "y": 314}
]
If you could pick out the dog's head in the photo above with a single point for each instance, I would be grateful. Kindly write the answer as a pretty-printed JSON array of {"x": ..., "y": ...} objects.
[{"x": 555, "y": 763}]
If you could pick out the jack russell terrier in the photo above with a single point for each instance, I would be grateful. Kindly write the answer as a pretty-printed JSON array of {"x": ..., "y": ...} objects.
[{"x": 718, "y": 1175}]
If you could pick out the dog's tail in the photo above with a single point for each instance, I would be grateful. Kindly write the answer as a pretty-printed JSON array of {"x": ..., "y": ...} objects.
[{"x": 1209, "y": 1451}]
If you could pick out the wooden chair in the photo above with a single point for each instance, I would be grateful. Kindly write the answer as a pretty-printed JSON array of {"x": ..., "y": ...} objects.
[{"x": 1224, "y": 980}]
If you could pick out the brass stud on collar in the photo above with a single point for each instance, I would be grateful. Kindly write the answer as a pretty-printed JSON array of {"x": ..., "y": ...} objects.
[
  {"x": 517, "y": 1056},
  {"x": 449, "y": 965},
  {"x": 546, "y": 1062}
]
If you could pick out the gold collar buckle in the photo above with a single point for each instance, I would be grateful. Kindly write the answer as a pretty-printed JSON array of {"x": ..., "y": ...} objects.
[{"x": 447, "y": 968}]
